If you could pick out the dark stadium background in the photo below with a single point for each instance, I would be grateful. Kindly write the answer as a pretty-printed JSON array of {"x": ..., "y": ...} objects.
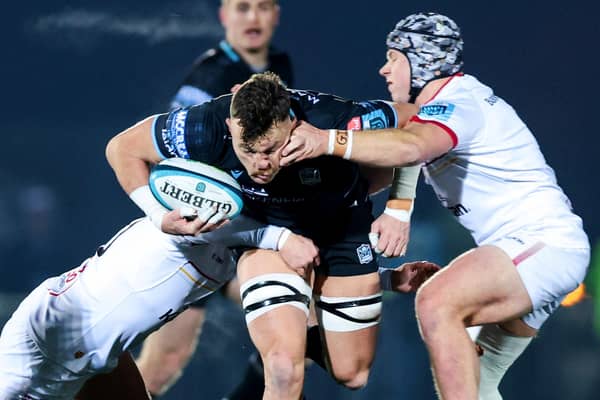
[{"x": 74, "y": 73}]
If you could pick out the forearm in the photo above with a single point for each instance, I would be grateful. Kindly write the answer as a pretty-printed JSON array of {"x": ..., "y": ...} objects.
[
  {"x": 380, "y": 148},
  {"x": 247, "y": 232},
  {"x": 403, "y": 192}
]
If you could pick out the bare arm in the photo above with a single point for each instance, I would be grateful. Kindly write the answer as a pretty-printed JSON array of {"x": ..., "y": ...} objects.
[
  {"x": 411, "y": 145},
  {"x": 130, "y": 153}
]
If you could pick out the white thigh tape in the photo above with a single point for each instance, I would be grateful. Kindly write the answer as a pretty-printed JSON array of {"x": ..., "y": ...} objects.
[
  {"x": 346, "y": 314},
  {"x": 263, "y": 293}
]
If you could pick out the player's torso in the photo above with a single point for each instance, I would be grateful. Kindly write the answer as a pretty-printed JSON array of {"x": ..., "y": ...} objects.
[
  {"x": 319, "y": 189},
  {"x": 495, "y": 181},
  {"x": 135, "y": 283}
]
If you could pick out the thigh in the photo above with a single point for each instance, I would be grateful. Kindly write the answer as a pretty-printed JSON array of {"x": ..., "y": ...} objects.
[
  {"x": 180, "y": 333},
  {"x": 269, "y": 288},
  {"x": 349, "y": 322},
  {"x": 480, "y": 286}
]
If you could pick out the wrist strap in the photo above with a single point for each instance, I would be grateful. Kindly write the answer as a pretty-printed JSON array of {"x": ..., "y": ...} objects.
[
  {"x": 340, "y": 143},
  {"x": 270, "y": 238},
  {"x": 283, "y": 238},
  {"x": 146, "y": 201},
  {"x": 401, "y": 209}
]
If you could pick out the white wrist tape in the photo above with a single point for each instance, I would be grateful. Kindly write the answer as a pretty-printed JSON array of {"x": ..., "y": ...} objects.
[
  {"x": 283, "y": 238},
  {"x": 399, "y": 214},
  {"x": 332, "y": 133},
  {"x": 270, "y": 237},
  {"x": 348, "y": 151},
  {"x": 146, "y": 201}
]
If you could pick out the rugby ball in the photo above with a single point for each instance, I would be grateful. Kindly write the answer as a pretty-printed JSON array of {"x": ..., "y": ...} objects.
[{"x": 177, "y": 182}]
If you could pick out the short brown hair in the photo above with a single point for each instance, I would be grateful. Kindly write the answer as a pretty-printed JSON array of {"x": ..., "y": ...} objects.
[{"x": 259, "y": 103}]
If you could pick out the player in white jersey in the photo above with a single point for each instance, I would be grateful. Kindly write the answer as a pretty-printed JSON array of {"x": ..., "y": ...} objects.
[
  {"x": 486, "y": 167},
  {"x": 77, "y": 325},
  {"x": 69, "y": 338}
]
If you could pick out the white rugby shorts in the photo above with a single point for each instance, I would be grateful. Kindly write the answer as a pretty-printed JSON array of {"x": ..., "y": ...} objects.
[{"x": 548, "y": 272}]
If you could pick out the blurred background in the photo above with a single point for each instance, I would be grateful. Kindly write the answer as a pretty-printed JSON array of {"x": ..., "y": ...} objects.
[{"x": 75, "y": 73}]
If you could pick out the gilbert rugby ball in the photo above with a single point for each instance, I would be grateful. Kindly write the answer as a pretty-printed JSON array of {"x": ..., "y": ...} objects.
[{"x": 177, "y": 182}]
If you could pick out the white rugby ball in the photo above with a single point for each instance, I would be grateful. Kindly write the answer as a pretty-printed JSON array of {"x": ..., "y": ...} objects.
[{"x": 177, "y": 182}]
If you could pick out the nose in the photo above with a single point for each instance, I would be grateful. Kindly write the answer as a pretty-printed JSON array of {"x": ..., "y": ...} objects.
[
  {"x": 252, "y": 14},
  {"x": 262, "y": 161},
  {"x": 383, "y": 71}
]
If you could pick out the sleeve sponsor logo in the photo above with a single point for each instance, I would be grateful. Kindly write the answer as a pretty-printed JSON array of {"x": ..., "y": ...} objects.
[
  {"x": 354, "y": 124},
  {"x": 174, "y": 134},
  {"x": 374, "y": 120},
  {"x": 439, "y": 111}
]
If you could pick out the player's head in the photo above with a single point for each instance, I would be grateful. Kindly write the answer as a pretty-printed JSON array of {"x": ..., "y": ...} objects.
[
  {"x": 260, "y": 124},
  {"x": 249, "y": 24},
  {"x": 421, "y": 47}
]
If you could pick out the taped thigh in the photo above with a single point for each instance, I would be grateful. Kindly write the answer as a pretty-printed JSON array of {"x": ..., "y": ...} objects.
[
  {"x": 263, "y": 293},
  {"x": 346, "y": 314}
]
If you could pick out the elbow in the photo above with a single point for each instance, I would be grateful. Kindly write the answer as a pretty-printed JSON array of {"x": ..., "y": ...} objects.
[{"x": 112, "y": 150}]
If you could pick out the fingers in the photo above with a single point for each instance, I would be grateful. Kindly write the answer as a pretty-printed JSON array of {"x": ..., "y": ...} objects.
[
  {"x": 386, "y": 246},
  {"x": 206, "y": 220}
]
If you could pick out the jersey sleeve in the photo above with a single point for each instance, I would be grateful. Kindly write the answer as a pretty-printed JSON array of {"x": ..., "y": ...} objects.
[
  {"x": 373, "y": 114},
  {"x": 460, "y": 118},
  {"x": 328, "y": 111},
  {"x": 194, "y": 133}
]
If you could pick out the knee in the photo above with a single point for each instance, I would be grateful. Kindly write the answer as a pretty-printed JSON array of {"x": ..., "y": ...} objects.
[
  {"x": 354, "y": 377},
  {"x": 430, "y": 312},
  {"x": 283, "y": 370}
]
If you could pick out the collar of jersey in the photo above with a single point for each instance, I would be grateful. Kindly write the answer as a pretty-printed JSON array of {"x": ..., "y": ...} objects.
[{"x": 229, "y": 51}]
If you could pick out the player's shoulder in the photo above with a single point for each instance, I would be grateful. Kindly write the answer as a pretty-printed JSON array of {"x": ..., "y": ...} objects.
[{"x": 212, "y": 59}]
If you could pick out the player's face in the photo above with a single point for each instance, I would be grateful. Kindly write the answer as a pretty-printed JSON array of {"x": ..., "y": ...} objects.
[
  {"x": 261, "y": 158},
  {"x": 396, "y": 72},
  {"x": 249, "y": 24}
]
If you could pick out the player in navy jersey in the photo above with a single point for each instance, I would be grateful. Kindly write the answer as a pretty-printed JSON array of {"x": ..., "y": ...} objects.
[
  {"x": 324, "y": 199},
  {"x": 246, "y": 49}
]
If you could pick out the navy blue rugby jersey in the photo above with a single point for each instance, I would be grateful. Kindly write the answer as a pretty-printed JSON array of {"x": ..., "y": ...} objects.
[
  {"x": 219, "y": 69},
  {"x": 301, "y": 195}
]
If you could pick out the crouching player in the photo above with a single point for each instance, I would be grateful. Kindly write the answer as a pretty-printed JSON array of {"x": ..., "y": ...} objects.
[{"x": 72, "y": 333}]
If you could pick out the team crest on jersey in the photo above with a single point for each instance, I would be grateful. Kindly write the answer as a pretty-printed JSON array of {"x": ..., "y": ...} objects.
[
  {"x": 374, "y": 120},
  {"x": 310, "y": 176},
  {"x": 354, "y": 124},
  {"x": 364, "y": 253},
  {"x": 440, "y": 111}
]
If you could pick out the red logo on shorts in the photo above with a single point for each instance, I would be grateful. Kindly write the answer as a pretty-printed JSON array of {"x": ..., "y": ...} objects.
[{"x": 354, "y": 124}]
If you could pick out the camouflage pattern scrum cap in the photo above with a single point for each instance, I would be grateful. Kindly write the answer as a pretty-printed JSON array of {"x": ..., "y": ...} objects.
[{"x": 433, "y": 45}]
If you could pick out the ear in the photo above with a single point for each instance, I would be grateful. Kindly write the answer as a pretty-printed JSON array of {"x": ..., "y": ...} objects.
[
  {"x": 228, "y": 123},
  {"x": 222, "y": 15}
]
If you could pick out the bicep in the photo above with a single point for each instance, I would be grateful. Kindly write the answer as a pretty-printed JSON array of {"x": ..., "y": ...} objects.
[
  {"x": 432, "y": 139},
  {"x": 135, "y": 142}
]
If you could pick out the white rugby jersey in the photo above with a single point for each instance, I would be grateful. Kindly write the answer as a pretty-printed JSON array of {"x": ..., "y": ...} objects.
[
  {"x": 495, "y": 180},
  {"x": 85, "y": 318}
]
